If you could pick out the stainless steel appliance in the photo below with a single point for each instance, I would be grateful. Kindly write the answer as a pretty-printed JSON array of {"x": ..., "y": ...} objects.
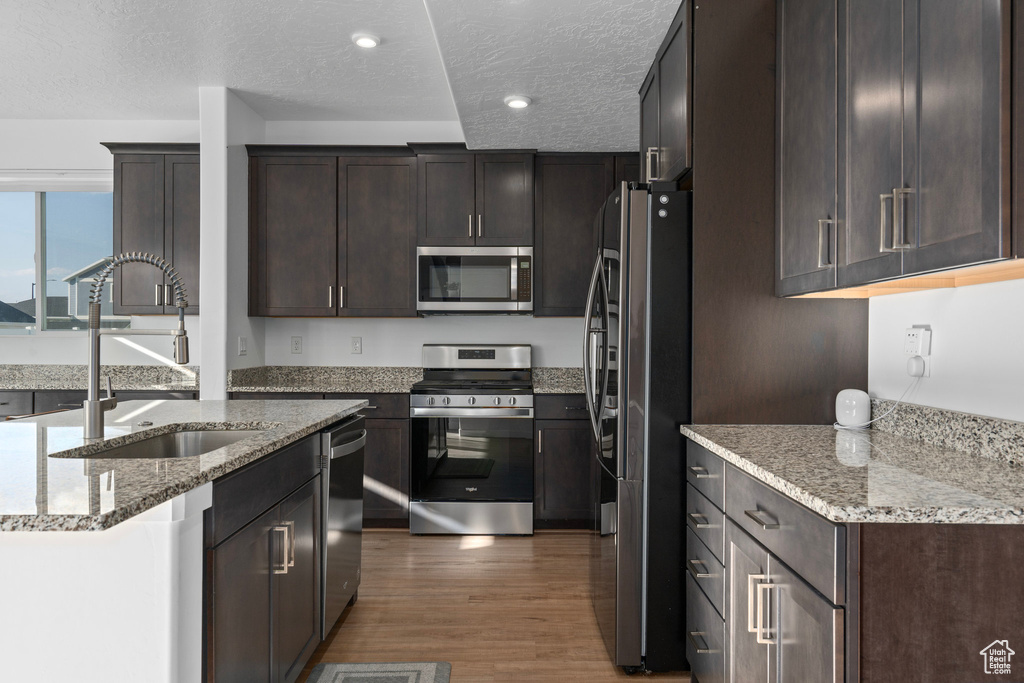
[
  {"x": 637, "y": 375},
  {"x": 474, "y": 279},
  {"x": 341, "y": 526},
  {"x": 472, "y": 441}
]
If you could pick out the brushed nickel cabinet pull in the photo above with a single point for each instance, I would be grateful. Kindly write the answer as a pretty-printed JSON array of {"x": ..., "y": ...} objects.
[
  {"x": 540, "y": 440},
  {"x": 168, "y": 295},
  {"x": 652, "y": 153},
  {"x": 280, "y": 548},
  {"x": 759, "y": 516},
  {"x": 701, "y": 649},
  {"x": 330, "y": 296},
  {"x": 341, "y": 296},
  {"x": 763, "y": 632},
  {"x": 479, "y": 225},
  {"x": 751, "y": 579},
  {"x": 700, "y": 525},
  {"x": 470, "y": 225},
  {"x": 701, "y": 472},
  {"x": 697, "y": 574},
  {"x": 158, "y": 297},
  {"x": 826, "y": 262}
]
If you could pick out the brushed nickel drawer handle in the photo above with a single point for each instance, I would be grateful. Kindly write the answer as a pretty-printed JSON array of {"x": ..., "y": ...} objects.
[
  {"x": 697, "y": 574},
  {"x": 757, "y": 515},
  {"x": 706, "y": 649},
  {"x": 282, "y": 548},
  {"x": 765, "y": 639},
  {"x": 751, "y": 579},
  {"x": 701, "y": 472},
  {"x": 700, "y": 525}
]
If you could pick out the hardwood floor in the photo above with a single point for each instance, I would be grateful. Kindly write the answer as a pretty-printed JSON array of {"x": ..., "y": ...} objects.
[{"x": 498, "y": 609}]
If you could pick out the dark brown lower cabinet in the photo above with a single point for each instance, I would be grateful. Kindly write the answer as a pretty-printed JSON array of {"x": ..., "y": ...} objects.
[
  {"x": 386, "y": 473},
  {"x": 45, "y": 401},
  {"x": 564, "y": 474}
]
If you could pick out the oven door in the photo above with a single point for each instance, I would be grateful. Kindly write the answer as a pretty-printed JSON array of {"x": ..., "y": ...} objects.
[
  {"x": 473, "y": 455},
  {"x": 470, "y": 279}
]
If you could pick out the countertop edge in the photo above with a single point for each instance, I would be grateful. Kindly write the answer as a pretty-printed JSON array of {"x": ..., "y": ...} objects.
[
  {"x": 860, "y": 514},
  {"x": 107, "y": 520}
]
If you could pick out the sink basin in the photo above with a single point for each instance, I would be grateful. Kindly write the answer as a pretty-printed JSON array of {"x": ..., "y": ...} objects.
[{"x": 181, "y": 444}]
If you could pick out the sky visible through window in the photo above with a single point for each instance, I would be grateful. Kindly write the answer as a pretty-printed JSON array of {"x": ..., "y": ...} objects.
[{"x": 18, "y": 240}]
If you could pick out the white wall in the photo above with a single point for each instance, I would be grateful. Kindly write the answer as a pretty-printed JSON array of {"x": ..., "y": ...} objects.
[
  {"x": 557, "y": 342},
  {"x": 41, "y": 145},
  {"x": 977, "y": 357}
]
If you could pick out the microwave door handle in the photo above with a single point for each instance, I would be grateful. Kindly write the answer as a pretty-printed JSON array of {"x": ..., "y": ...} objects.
[{"x": 514, "y": 278}]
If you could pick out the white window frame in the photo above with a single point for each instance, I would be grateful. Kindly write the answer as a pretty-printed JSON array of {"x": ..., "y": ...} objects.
[{"x": 52, "y": 180}]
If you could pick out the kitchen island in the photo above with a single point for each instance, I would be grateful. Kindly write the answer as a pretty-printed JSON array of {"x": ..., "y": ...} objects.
[
  {"x": 103, "y": 557},
  {"x": 851, "y": 555}
]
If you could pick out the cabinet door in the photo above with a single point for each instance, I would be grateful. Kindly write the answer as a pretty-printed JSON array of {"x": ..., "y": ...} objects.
[
  {"x": 806, "y": 225},
  {"x": 377, "y": 236},
  {"x": 674, "y": 101},
  {"x": 570, "y": 192},
  {"x": 746, "y": 567},
  {"x": 295, "y": 563},
  {"x": 293, "y": 264},
  {"x": 649, "y": 151},
  {"x": 241, "y": 615},
  {"x": 956, "y": 132},
  {"x": 871, "y": 140},
  {"x": 564, "y": 473},
  {"x": 447, "y": 200},
  {"x": 181, "y": 220},
  {"x": 805, "y": 629},
  {"x": 138, "y": 226},
  {"x": 504, "y": 199},
  {"x": 627, "y": 169},
  {"x": 386, "y": 471}
]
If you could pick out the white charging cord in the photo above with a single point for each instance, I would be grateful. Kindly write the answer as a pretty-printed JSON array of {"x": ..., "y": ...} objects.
[{"x": 894, "y": 405}]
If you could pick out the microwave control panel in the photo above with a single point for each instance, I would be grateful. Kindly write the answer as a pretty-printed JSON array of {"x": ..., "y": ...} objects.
[{"x": 525, "y": 279}]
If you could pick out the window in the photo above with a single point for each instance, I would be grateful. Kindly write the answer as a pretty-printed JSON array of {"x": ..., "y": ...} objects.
[{"x": 54, "y": 244}]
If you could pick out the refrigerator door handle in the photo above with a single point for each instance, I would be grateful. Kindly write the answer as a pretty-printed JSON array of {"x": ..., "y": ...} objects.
[{"x": 589, "y": 331}]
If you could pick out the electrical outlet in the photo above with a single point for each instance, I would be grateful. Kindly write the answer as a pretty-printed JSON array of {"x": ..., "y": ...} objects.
[
  {"x": 296, "y": 344},
  {"x": 357, "y": 344},
  {"x": 242, "y": 346},
  {"x": 917, "y": 341}
]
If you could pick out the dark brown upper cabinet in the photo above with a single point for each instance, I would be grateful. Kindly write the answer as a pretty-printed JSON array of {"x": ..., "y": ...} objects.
[
  {"x": 922, "y": 139},
  {"x": 806, "y": 220},
  {"x": 475, "y": 199},
  {"x": 666, "y": 103},
  {"x": 627, "y": 169},
  {"x": 377, "y": 236},
  {"x": 156, "y": 210},
  {"x": 331, "y": 235},
  {"x": 293, "y": 238},
  {"x": 570, "y": 191}
]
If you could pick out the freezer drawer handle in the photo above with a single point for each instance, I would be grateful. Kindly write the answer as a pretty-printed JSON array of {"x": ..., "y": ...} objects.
[
  {"x": 701, "y": 472},
  {"x": 699, "y": 524},
  {"x": 697, "y": 574},
  {"x": 704, "y": 649},
  {"x": 759, "y": 516},
  {"x": 349, "y": 447}
]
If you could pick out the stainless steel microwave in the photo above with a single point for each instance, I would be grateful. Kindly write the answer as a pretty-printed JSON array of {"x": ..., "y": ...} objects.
[{"x": 474, "y": 279}]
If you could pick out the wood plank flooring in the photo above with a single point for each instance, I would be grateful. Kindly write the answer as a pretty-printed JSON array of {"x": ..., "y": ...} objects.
[{"x": 498, "y": 609}]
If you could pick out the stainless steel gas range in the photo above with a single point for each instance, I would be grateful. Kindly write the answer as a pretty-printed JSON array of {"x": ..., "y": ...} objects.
[{"x": 472, "y": 441}]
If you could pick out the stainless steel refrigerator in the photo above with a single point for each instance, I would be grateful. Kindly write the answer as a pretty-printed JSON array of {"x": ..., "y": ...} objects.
[{"x": 637, "y": 365}]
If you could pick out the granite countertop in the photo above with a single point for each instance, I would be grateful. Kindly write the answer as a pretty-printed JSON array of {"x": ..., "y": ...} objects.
[
  {"x": 871, "y": 475},
  {"x": 325, "y": 379},
  {"x": 122, "y": 377},
  {"x": 558, "y": 381},
  {"x": 45, "y": 484}
]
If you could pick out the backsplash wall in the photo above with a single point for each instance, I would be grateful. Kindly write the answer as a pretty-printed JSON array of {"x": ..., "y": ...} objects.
[
  {"x": 977, "y": 364},
  {"x": 557, "y": 342}
]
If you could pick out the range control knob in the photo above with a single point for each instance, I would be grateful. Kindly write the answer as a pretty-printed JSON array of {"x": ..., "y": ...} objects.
[
  {"x": 471, "y": 400},
  {"x": 446, "y": 400},
  {"x": 430, "y": 401},
  {"x": 512, "y": 401},
  {"x": 497, "y": 400}
]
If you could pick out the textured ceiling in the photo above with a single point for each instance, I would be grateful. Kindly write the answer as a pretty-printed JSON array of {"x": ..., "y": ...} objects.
[
  {"x": 581, "y": 61},
  {"x": 288, "y": 59}
]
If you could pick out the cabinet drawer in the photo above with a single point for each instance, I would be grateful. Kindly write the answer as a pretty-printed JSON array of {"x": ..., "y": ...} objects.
[
  {"x": 382, "y": 406},
  {"x": 810, "y": 544},
  {"x": 706, "y": 471},
  {"x": 706, "y": 521},
  {"x": 241, "y": 496},
  {"x": 705, "y": 569},
  {"x": 15, "y": 403},
  {"x": 705, "y": 636},
  {"x": 560, "y": 407}
]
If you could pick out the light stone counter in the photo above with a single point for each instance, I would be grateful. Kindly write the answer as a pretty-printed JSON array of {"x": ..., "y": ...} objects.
[
  {"x": 325, "y": 379},
  {"x": 45, "y": 484},
  {"x": 122, "y": 377},
  {"x": 870, "y": 475}
]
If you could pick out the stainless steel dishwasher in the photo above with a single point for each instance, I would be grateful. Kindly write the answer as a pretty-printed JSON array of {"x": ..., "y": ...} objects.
[{"x": 341, "y": 525}]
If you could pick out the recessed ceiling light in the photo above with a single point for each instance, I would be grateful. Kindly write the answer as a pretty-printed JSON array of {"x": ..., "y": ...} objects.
[
  {"x": 366, "y": 40},
  {"x": 518, "y": 101}
]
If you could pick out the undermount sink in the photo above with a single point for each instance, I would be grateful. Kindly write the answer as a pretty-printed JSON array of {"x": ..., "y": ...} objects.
[{"x": 183, "y": 444}]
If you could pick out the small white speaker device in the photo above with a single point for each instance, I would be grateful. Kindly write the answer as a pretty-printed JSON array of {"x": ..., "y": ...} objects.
[{"x": 853, "y": 408}]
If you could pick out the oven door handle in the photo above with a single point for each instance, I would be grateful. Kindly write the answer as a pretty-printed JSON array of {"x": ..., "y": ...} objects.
[{"x": 471, "y": 412}]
